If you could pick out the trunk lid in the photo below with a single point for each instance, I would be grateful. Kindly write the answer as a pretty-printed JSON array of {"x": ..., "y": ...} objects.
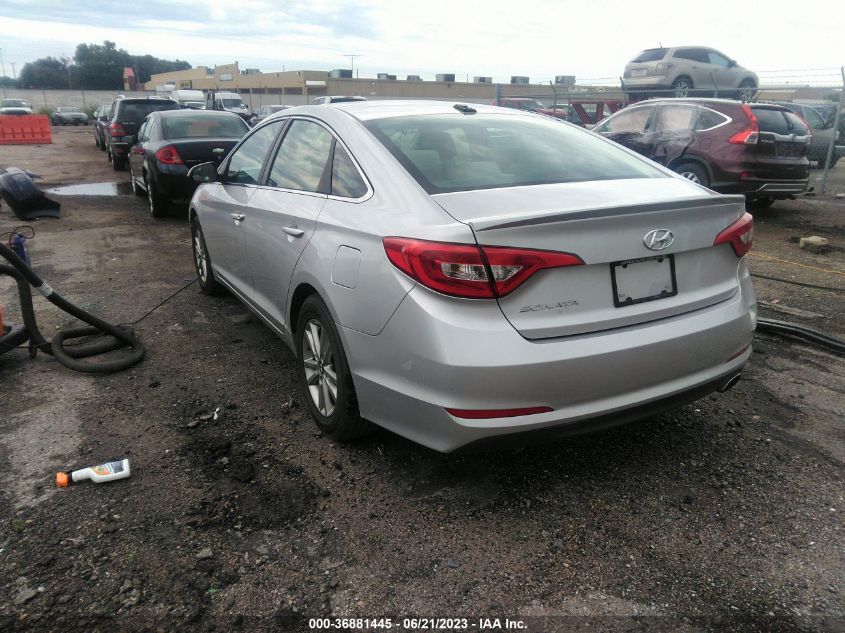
[
  {"x": 606, "y": 224},
  {"x": 203, "y": 150}
]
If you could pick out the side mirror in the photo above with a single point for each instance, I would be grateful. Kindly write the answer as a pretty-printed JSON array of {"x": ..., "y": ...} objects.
[{"x": 204, "y": 172}]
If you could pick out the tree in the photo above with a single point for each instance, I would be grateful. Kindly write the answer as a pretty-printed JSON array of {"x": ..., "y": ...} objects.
[
  {"x": 8, "y": 82},
  {"x": 101, "y": 66},
  {"x": 47, "y": 72}
]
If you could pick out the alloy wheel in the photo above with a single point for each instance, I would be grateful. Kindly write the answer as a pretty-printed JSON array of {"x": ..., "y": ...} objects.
[
  {"x": 319, "y": 362},
  {"x": 691, "y": 176},
  {"x": 682, "y": 88},
  {"x": 200, "y": 258}
]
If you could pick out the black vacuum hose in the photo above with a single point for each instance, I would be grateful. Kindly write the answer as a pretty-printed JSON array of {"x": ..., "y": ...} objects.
[
  {"x": 70, "y": 356},
  {"x": 811, "y": 335}
]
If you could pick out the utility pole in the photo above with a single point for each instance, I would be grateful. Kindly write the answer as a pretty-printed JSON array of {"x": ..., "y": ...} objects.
[
  {"x": 14, "y": 74},
  {"x": 3, "y": 68},
  {"x": 352, "y": 59},
  {"x": 836, "y": 118}
]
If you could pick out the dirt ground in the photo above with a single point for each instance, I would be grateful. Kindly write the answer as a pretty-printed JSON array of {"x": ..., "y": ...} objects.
[{"x": 725, "y": 514}]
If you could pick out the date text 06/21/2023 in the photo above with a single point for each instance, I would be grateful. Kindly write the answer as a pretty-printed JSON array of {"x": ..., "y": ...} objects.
[{"x": 418, "y": 624}]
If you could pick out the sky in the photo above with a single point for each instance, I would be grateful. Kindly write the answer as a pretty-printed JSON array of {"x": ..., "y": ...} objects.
[{"x": 591, "y": 39}]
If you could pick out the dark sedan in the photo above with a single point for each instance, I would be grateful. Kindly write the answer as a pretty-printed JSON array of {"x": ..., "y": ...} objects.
[
  {"x": 169, "y": 143},
  {"x": 69, "y": 116}
]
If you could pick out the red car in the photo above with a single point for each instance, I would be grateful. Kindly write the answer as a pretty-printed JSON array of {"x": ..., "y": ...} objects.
[{"x": 756, "y": 149}]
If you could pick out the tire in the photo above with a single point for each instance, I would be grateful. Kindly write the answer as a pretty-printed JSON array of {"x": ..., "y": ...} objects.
[
  {"x": 116, "y": 163},
  {"x": 319, "y": 356},
  {"x": 760, "y": 203},
  {"x": 135, "y": 188},
  {"x": 158, "y": 204},
  {"x": 694, "y": 172},
  {"x": 96, "y": 141},
  {"x": 747, "y": 90},
  {"x": 202, "y": 261},
  {"x": 682, "y": 87}
]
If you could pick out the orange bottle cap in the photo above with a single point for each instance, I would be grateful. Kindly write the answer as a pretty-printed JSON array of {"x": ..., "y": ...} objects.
[{"x": 62, "y": 480}]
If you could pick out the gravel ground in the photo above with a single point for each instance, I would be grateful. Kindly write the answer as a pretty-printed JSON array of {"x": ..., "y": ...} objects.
[{"x": 725, "y": 514}]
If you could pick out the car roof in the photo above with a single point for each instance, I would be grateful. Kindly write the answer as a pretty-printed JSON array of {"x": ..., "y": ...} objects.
[
  {"x": 705, "y": 101},
  {"x": 193, "y": 113},
  {"x": 367, "y": 110}
]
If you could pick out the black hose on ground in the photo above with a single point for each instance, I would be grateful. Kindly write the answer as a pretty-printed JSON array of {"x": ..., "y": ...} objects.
[
  {"x": 70, "y": 356},
  {"x": 811, "y": 335}
]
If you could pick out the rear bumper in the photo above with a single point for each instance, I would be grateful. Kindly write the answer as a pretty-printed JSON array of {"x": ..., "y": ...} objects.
[
  {"x": 764, "y": 187},
  {"x": 649, "y": 81},
  {"x": 430, "y": 356}
]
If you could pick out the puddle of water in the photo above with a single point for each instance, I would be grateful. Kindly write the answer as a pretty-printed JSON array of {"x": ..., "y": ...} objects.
[{"x": 93, "y": 189}]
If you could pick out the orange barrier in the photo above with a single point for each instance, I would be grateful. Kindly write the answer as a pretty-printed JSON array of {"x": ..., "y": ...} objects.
[{"x": 25, "y": 130}]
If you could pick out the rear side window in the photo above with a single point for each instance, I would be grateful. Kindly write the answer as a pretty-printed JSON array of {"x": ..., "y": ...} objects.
[
  {"x": 693, "y": 54},
  {"x": 650, "y": 55},
  {"x": 796, "y": 124},
  {"x": 301, "y": 161},
  {"x": 447, "y": 152},
  {"x": 708, "y": 119},
  {"x": 245, "y": 165},
  {"x": 346, "y": 181}
]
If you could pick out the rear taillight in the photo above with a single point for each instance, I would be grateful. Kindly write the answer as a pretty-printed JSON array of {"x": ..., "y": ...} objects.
[
  {"x": 168, "y": 155},
  {"x": 116, "y": 129},
  {"x": 470, "y": 271},
  {"x": 750, "y": 134},
  {"x": 739, "y": 235}
]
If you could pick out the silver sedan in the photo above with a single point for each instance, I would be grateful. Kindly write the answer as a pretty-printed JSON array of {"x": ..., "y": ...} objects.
[{"x": 457, "y": 272}]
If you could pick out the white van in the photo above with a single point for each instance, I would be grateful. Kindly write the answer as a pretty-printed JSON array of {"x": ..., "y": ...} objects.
[
  {"x": 228, "y": 102},
  {"x": 189, "y": 98}
]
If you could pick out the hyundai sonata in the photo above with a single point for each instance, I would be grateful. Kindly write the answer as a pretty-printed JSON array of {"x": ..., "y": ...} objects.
[{"x": 455, "y": 272}]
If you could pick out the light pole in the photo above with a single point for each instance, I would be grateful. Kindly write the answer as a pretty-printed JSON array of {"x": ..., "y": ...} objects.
[{"x": 352, "y": 59}]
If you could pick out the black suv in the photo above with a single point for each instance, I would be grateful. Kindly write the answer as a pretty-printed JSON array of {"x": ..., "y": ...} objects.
[{"x": 124, "y": 120}]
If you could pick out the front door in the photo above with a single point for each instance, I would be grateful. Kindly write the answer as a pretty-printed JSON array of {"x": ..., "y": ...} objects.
[
  {"x": 226, "y": 207},
  {"x": 283, "y": 213}
]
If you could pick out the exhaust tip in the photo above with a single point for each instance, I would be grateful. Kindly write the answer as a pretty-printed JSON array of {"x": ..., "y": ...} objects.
[{"x": 731, "y": 382}]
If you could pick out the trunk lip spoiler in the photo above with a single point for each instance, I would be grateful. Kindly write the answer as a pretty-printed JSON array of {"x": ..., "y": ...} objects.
[{"x": 552, "y": 217}]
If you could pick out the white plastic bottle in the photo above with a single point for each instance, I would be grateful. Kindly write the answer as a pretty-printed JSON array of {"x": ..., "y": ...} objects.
[{"x": 98, "y": 474}]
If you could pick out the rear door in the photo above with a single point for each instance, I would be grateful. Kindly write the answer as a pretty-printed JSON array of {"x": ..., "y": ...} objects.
[
  {"x": 672, "y": 132},
  {"x": 283, "y": 212},
  {"x": 225, "y": 207},
  {"x": 782, "y": 146}
]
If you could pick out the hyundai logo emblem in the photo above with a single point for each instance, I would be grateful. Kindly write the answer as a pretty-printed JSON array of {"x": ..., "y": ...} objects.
[{"x": 658, "y": 239}]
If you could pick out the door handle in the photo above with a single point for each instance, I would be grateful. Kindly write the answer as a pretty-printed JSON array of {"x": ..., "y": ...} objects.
[
  {"x": 292, "y": 231},
  {"x": 238, "y": 217}
]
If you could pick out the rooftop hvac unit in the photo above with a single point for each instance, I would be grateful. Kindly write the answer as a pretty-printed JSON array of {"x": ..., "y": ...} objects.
[
  {"x": 413, "y": 78},
  {"x": 250, "y": 71},
  {"x": 445, "y": 77},
  {"x": 340, "y": 73},
  {"x": 386, "y": 76},
  {"x": 483, "y": 80},
  {"x": 519, "y": 79},
  {"x": 566, "y": 80}
]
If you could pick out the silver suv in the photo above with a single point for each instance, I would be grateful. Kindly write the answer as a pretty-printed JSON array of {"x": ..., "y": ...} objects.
[{"x": 683, "y": 71}]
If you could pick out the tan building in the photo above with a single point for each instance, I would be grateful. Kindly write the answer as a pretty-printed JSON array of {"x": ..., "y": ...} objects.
[{"x": 304, "y": 85}]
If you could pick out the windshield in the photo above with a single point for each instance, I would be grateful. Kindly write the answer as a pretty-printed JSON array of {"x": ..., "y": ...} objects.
[
  {"x": 446, "y": 153},
  {"x": 233, "y": 103},
  {"x": 14, "y": 103},
  {"x": 204, "y": 125},
  {"x": 650, "y": 55}
]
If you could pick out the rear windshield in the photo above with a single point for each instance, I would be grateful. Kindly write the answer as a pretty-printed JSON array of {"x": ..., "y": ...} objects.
[
  {"x": 446, "y": 152},
  {"x": 203, "y": 126},
  {"x": 137, "y": 111},
  {"x": 780, "y": 122},
  {"x": 650, "y": 55},
  {"x": 13, "y": 103}
]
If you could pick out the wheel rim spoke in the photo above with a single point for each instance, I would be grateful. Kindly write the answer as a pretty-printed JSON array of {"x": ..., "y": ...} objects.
[{"x": 318, "y": 365}]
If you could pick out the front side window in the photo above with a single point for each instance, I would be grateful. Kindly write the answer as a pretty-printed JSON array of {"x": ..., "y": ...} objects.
[
  {"x": 302, "y": 158},
  {"x": 632, "y": 121},
  {"x": 446, "y": 152},
  {"x": 245, "y": 165}
]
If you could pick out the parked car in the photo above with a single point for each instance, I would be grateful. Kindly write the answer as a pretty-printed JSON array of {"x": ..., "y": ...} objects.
[
  {"x": 336, "y": 99},
  {"x": 125, "y": 117},
  {"x": 169, "y": 143},
  {"x": 69, "y": 115},
  {"x": 532, "y": 105},
  {"x": 455, "y": 273},
  {"x": 823, "y": 133},
  {"x": 756, "y": 149},
  {"x": 101, "y": 125},
  {"x": 684, "y": 71},
  {"x": 227, "y": 102},
  {"x": 264, "y": 111},
  {"x": 14, "y": 107}
]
